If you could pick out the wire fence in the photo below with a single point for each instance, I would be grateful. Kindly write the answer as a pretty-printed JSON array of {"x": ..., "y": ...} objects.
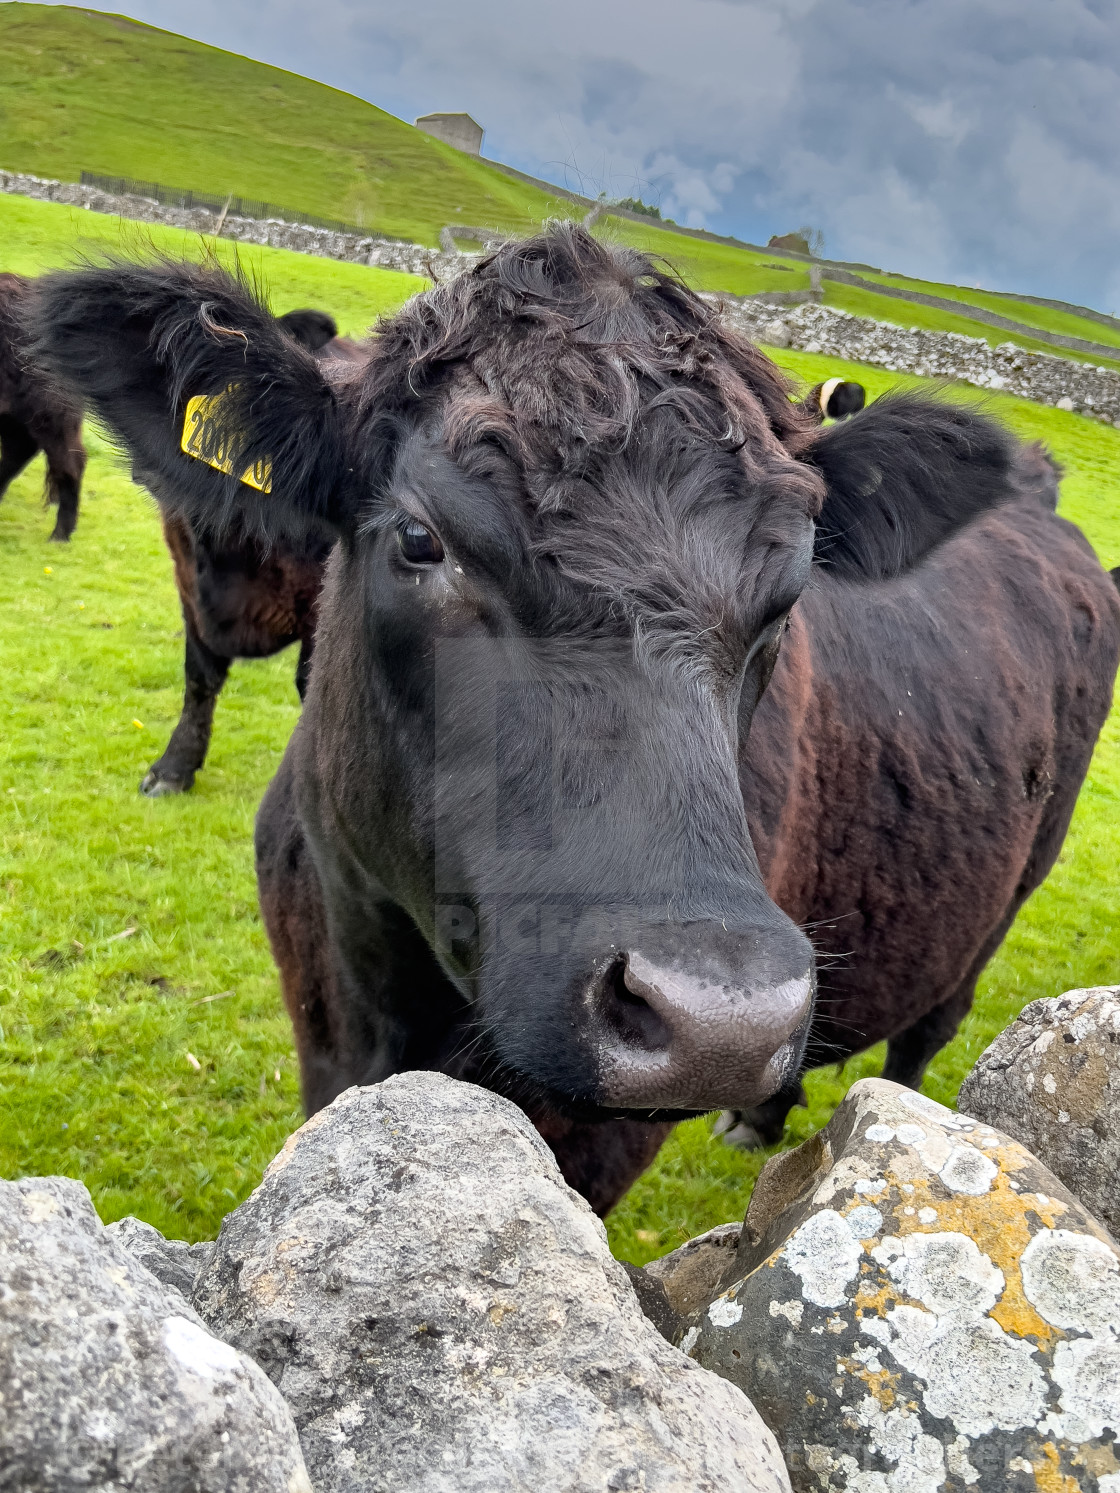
[{"x": 231, "y": 206}]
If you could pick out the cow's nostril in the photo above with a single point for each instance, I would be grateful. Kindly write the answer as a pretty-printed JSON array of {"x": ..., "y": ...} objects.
[{"x": 627, "y": 1012}]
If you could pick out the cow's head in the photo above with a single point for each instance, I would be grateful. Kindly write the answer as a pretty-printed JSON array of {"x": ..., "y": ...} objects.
[{"x": 573, "y": 514}]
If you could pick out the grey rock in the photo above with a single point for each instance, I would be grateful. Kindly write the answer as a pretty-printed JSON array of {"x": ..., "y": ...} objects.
[
  {"x": 173, "y": 1261},
  {"x": 690, "y": 1276},
  {"x": 917, "y": 1305},
  {"x": 1052, "y": 1080},
  {"x": 443, "y": 1315},
  {"x": 775, "y": 333},
  {"x": 108, "y": 1380}
]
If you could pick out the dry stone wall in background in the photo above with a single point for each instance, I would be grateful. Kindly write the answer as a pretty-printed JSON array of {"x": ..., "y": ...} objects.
[{"x": 1045, "y": 378}]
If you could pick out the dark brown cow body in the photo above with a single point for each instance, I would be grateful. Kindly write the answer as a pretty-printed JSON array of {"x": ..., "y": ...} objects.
[
  {"x": 912, "y": 771},
  {"x": 35, "y": 417},
  {"x": 241, "y": 597}
]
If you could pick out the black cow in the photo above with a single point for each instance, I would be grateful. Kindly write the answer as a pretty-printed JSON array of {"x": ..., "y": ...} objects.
[
  {"x": 576, "y": 519},
  {"x": 834, "y": 399},
  {"x": 34, "y": 416},
  {"x": 243, "y": 595}
]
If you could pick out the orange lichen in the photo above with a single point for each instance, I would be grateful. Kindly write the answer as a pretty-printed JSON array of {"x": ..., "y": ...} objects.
[
  {"x": 882, "y": 1385},
  {"x": 997, "y": 1221},
  {"x": 1048, "y": 1474}
]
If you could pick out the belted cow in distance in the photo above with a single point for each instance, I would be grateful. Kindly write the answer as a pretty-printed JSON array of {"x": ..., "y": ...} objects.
[
  {"x": 627, "y": 673},
  {"x": 35, "y": 416},
  {"x": 834, "y": 399}
]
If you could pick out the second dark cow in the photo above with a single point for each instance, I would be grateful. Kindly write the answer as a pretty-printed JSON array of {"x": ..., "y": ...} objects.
[{"x": 242, "y": 596}]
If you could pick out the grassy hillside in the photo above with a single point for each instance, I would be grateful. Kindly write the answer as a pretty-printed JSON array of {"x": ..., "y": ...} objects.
[
  {"x": 143, "y": 1046},
  {"x": 80, "y": 90}
]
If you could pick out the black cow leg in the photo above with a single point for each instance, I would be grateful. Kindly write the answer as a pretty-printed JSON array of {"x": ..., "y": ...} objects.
[
  {"x": 17, "y": 447},
  {"x": 65, "y": 491},
  {"x": 911, "y": 1052},
  {"x": 753, "y": 1129},
  {"x": 186, "y": 751}
]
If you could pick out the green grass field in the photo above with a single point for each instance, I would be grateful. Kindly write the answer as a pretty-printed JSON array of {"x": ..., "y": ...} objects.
[{"x": 143, "y": 1047}]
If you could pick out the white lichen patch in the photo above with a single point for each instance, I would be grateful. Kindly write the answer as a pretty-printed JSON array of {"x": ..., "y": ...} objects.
[
  {"x": 911, "y": 1135},
  {"x": 824, "y": 1254},
  {"x": 956, "y": 1460},
  {"x": 1087, "y": 1371},
  {"x": 977, "y": 1376},
  {"x": 969, "y": 1171},
  {"x": 865, "y": 1222},
  {"x": 1073, "y": 1282},
  {"x": 724, "y": 1312},
  {"x": 947, "y": 1273},
  {"x": 792, "y": 1311},
  {"x": 927, "y": 1215},
  {"x": 880, "y": 1134}
]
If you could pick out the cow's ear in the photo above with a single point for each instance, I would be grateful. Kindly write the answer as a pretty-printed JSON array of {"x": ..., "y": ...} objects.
[
  {"x": 902, "y": 477},
  {"x": 224, "y": 416}
]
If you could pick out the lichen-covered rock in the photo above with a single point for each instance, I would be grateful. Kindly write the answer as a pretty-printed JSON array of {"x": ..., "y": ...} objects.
[
  {"x": 443, "y": 1315},
  {"x": 918, "y": 1306},
  {"x": 108, "y": 1380},
  {"x": 173, "y": 1261},
  {"x": 1052, "y": 1080}
]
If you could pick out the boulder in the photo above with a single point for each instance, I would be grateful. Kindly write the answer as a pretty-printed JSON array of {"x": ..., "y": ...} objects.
[
  {"x": 690, "y": 1276},
  {"x": 442, "y": 1314},
  {"x": 1052, "y": 1080},
  {"x": 173, "y": 1261},
  {"x": 108, "y": 1380},
  {"x": 775, "y": 333},
  {"x": 917, "y": 1305}
]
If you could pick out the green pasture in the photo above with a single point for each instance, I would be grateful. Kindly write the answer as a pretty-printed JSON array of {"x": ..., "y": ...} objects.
[{"x": 143, "y": 1047}]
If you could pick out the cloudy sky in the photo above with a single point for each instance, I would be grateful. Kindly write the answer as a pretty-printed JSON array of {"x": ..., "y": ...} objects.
[{"x": 968, "y": 140}]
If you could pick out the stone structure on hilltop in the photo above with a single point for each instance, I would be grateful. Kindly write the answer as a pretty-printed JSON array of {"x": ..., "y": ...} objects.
[{"x": 459, "y": 130}]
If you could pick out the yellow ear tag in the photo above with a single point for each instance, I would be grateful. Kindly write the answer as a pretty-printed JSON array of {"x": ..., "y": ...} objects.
[{"x": 205, "y": 440}]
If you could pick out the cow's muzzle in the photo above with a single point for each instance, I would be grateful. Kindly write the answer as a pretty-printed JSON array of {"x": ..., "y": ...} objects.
[{"x": 675, "y": 1035}]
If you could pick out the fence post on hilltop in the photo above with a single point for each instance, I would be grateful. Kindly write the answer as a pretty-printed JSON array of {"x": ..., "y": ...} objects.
[{"x": 222, "y": 217}]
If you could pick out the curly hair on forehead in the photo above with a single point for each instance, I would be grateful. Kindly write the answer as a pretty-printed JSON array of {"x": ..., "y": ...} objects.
[{"x": 559, "y": 346}]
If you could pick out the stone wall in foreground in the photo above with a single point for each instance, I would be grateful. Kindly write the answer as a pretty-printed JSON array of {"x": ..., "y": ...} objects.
[{"x": 1043, "y": 377}]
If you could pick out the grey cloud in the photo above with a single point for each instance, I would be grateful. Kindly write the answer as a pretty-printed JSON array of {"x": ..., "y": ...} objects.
[{"x": 971, "y": 140}]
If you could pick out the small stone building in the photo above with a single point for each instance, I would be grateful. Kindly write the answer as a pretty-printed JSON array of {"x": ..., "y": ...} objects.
[{"x": 459, "y": 130}]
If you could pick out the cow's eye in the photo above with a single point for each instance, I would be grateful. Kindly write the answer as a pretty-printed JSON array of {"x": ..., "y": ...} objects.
[{"x": 418, "y": 544}]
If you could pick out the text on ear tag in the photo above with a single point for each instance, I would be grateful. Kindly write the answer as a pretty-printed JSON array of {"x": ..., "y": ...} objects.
[{"x": 205, "y": 438}]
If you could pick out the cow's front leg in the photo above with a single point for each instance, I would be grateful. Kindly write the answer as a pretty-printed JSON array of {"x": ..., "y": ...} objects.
[
  {"x": 205, "y": 674},
  {"x": 764, "y": 1125},
  {"x": 66, "y": 462}
]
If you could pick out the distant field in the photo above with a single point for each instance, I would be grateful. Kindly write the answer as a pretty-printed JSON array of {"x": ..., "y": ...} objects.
[
  {"x": 129, "y": 933},
  {"x": 81, "y": 90}
]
